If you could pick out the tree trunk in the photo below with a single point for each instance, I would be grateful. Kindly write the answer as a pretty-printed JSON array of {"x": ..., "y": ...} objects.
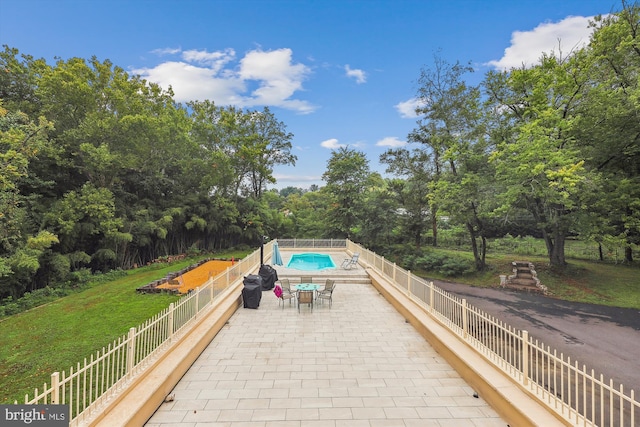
[
  {"x": 417, "y": 239},
  {"x": 434, "y": 228},
  {"x": 555, "y": 248},
  {"x": 479, "y": 258},
  {"x": 628, "y": 254}
]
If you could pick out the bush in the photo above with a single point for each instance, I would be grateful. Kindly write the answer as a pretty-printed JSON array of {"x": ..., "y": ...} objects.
[
  {"x": 444, "y": 264},
  {"x": 194, "y": 251},
  {"x": 80, "y": 278}
]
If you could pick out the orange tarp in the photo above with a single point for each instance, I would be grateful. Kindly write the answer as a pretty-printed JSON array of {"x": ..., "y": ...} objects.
[{"x": 197, "y": 276}]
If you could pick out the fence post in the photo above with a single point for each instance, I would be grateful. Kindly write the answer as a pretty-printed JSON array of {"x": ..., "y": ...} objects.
[
  {"x": 170, "y": 322},
  {"x": 55, "y": 388},
  {"x": 197, "y": 307},
  {"x": 525, "y": 357},
  {"x": 131, "y": 349},
  {"x": 394, "y": 272},
  {"x": 431, "y": 296},
  {"x": 211, "y": 283},
  {"x": 409, "y": 282},
  {"x": 465, "y": 321}
]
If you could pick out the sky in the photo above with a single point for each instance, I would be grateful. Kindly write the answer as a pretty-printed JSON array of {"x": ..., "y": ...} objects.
[{"x": 337, "y": 73}]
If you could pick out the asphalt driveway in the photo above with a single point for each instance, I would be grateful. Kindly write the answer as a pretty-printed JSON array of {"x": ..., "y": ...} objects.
[{"x": 606, "y": 339}]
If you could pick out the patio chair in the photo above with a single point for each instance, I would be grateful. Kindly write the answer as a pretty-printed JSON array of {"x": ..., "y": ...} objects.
[
  {"x": 305, "y": 297},
  {"x": 306, "y": 279},
  {"x": 287, "y": 293},
  {"x": 350, "y": 262},
  {"x": 327, "y": 292}
]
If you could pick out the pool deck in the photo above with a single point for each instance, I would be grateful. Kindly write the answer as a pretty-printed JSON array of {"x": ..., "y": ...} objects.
[{"x": 357, "y": 363}]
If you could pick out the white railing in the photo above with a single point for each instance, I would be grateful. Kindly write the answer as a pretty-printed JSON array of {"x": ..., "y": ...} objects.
[
  {"x": 90, "y": 384},
  {"x": 579, "y": 395},
  {"x": 312, "y": 243}
]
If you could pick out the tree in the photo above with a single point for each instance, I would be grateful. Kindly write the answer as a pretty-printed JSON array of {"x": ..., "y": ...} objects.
[
  {"x": 21, "y": 141},
  {"x": 307, "y": 213},
  {"x": 272, "y": 147},
  {"x": 379, "y": 215},
  {"x": 411, "y": 193},
  {"x": 346, "y": 176},
  {"x": 19, "y": 81},
  {"x": 540, "y": 165},
  {"x": 452, "y": 128},
  {"x": 240, "y": 147},
  {"x": 83, "y": 220},
  {"x": 609, "y": 130}
]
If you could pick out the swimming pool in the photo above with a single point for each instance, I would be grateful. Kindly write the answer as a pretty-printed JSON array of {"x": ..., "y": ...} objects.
[{"x": 311, "y": 262}]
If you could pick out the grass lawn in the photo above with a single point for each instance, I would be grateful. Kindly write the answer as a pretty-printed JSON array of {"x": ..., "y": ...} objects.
[
  {"x": 582, "y": 281},
  {"x": 56, "y": 336}
]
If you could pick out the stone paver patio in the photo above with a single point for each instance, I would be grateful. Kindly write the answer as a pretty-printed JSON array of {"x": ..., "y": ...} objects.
[{"x": 355, "y": 364}]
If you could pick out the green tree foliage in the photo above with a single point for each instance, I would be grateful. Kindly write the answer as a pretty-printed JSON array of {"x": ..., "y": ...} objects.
[
  {"x": 346, "y": 176},
  {"x": 119, "y": 174},
  {"x": 240, "y": 148},
  {"x": 453, "y": 132},
  {"x": 412, "y": 191},
  {"x": 307, "y": 213},
  {"x": 609, "y": 129},
  {"x": 380, "y": 213},
  {"x": 541, "y": 167},
  {"x": 21, "y": 246}
]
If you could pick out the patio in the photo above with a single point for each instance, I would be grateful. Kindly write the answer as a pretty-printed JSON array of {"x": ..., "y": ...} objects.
[{"x": 357, "y": 363}]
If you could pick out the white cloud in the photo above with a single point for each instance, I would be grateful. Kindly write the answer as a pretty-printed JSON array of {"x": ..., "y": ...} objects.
[
  {"x": 278, "y": 78},
  {"x": 209, "y": 75},
  {"x": 527, "y": 47},
  {"x": 190, "y": 82},
  {"x": 407, "y": 109},
  {"x": 214, "y": 60},
  {"x": 359, "y": 75},
  {"x": 166, "y": 51},
  {"x": 331, "y": 144},
  {"x": 391, "y": 141}
]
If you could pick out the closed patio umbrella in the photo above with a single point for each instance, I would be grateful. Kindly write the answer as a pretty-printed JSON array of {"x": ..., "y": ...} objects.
[{"x": 276, "y": 258}]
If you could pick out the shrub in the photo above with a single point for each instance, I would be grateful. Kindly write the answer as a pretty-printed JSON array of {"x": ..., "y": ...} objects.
[{"x": 444, "y": 264}]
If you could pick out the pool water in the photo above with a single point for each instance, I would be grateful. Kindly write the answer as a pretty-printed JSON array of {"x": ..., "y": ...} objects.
[{"x": 311, "y": 262}]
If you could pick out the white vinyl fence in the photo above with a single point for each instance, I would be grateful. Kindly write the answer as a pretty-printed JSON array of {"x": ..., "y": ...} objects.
[
  {"x": 104, "y": 374},
  {"x": 580, "y": 395}
]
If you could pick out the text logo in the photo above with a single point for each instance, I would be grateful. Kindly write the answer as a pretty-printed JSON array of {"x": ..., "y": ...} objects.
[{"x": 34, "y": 415}]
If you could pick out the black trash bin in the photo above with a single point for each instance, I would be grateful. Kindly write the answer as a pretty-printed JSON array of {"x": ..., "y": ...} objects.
[
  {"x": 269, "y": 277},
  {"x": 252, "y": 291}
]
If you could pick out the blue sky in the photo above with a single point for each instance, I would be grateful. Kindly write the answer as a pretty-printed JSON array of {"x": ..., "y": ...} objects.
[{"x": 336, "y": 72}]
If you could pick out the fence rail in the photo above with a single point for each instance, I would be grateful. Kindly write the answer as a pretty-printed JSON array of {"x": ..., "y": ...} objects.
[
  {"x": 578, "y": 394},
  {"x": 90, "y": 384},
  {"x": 312, "y": 243}
]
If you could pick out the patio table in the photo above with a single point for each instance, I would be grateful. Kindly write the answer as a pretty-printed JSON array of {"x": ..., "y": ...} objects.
[
  {"x": 307, "y": 287},
  {"x": 305, "y": 293}
]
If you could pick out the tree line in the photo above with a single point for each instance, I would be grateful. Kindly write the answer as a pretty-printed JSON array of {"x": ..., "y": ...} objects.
[{"x": 101, "y": 170}]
